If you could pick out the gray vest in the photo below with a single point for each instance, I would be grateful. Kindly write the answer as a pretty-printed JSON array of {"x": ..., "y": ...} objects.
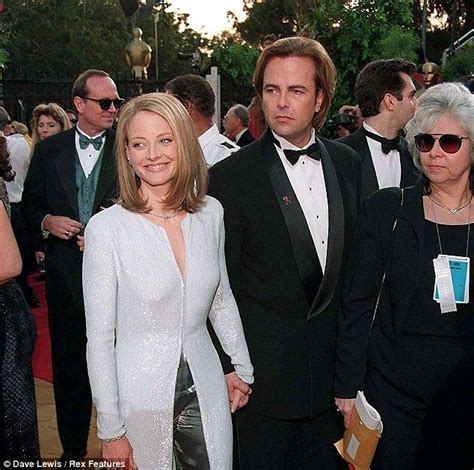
[{"x": 86, "y": 188}]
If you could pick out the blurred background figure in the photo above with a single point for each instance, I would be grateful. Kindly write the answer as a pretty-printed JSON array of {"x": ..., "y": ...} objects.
[
  {"x": 18, "y": 424},
  {"x": 197, "y": 96},
  {"x": 269, "y": 39},
  {"x": 385, "y": 94},
  {"x": 72, "y": 116},
  {"x": 236, "y": 123},
  {"x": 347, "y": 120},
  {"x": 20, "y": 128},
  {"x": 48, "y": 119}
]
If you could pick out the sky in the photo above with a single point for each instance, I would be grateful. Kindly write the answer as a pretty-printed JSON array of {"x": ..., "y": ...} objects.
[{"x": 208, "y": 17}]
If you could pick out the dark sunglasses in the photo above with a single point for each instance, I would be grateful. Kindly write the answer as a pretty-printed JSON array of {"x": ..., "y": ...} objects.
[
  {"x": 449, "y": 143},
  {"x": 106, "y": 103}
]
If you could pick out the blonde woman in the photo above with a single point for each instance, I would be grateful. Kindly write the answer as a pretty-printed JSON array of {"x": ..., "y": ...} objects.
[
  {"x": 48, "y": 119},
  {"x": 154, "y": 271}
]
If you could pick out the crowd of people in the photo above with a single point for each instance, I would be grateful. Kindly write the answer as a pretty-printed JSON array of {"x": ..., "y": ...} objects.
[{"x": 221, "y": 299}]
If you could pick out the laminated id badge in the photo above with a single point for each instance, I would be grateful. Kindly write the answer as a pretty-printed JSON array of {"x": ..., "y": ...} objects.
[{"x": 458, "y": 285}]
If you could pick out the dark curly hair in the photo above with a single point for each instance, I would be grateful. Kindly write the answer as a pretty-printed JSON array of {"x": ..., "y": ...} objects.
[{"x": 6, "y": 171}]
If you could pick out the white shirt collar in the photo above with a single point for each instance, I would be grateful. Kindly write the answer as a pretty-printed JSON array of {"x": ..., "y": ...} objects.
[
  {"x": 90, "y": 136},
  {"x": 240, "y": 134},
  {"x": 284, "y": 144}
]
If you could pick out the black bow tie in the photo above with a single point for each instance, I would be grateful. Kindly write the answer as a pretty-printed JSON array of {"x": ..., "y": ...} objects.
[
  {"x": 387, "y": 144},
  {"x": 293, "y": 155}
]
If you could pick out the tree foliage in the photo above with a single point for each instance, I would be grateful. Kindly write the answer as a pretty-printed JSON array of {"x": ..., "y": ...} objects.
[
  {"x": 460, "y": 64},
  {"x": 236, "y": 63},
  {"x": 354, "y": 32},
  {"x": 65, "y": 37}
]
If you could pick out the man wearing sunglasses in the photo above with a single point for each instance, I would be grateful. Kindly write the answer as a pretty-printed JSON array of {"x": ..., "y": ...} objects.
[
  {"x": 71, "y": 177},
  {"x": 386, "y": 97}
]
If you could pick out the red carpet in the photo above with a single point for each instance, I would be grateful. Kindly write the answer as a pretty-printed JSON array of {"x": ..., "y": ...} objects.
[{"x": 42, "y": 353}]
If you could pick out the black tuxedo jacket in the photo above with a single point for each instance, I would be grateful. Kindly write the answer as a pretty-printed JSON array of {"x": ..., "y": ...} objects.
[
  {"x": 245, "y": 139},
  {"x": 291, "y": 341},
  {"x": 358, "y": 142},
  {"x": 50, "y": 188}
]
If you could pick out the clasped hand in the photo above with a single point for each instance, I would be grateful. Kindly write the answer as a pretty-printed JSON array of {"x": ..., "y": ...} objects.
[
  {"x": 238, "y": 391},
  {"x": 64, "y": 228}
]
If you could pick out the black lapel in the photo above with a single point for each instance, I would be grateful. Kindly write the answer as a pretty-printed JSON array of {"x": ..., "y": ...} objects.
[
  {"x": 335, "y": 236},
  {"x": 107, "y": 171},
  {"x": 408, "y": 177},
  {"x": 65, "y": 162},
  {"x": 302, "y": 243},
  {"x": 369, "y": 180},
  {"x": 412, "y": 211}
]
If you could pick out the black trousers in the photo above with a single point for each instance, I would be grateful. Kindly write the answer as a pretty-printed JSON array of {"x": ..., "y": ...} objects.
[
  {"x": 273, "y": 444},
  {"x": 70, "y": 378}
]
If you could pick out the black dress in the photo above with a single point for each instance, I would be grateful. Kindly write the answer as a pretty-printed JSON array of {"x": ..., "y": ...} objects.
[
  {"x": 18, "y": 423},
  {"x": 431, "y": 363}
]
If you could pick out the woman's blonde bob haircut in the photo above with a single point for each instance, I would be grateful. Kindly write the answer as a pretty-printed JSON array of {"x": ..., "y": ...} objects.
[{"x": 189, "y": 184}]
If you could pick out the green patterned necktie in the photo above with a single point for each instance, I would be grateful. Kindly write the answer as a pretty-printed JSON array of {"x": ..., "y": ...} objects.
[{"x": 84, "y": 141}]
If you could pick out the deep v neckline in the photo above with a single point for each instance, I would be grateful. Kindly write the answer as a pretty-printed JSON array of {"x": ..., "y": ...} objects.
[{"x": 181, "y": 272}]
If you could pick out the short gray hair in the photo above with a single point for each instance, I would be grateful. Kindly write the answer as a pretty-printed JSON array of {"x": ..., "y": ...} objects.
[
  {"x": 241, "y": 112},
  {"x": 446, "y": 98}
]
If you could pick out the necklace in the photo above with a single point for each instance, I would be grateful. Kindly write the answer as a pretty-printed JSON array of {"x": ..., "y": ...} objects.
[
  {"x": 468, "y": 227},
  {"x": 164, "y": 216},
  {"x": 455, "y": 209}
]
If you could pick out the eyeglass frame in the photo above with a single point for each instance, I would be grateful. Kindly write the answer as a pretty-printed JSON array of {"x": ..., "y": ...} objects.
[
  {"x": 436, "y": 137},
  {"x": 117, "y": 102}
]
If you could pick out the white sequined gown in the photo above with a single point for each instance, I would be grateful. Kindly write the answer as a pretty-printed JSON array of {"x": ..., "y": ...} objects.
[{"x": 141, "y": 314}]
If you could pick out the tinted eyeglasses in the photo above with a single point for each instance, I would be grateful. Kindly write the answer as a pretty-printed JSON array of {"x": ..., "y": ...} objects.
[
  {"x": 449, "y": 143},
  {"x": 106, "y": 103}
]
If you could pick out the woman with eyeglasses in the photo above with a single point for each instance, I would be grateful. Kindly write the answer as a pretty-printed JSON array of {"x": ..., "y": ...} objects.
[
  {"x": 406, "y": 326},
  {"x": 154, "y": 271}
]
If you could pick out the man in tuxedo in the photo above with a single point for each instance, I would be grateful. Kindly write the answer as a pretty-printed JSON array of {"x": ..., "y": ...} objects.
[
  {"x": 236, "y": 123},
  {"x": 385, "y": 94},
  {"x": 198, "y": 98},
  {"x": 71, "y": 177},
  {"x": 290, "y": 202}
]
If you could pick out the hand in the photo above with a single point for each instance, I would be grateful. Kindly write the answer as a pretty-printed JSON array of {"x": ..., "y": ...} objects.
[
  {"x": 61, "y": 227},
  {"x": 119, "y": 451},
  {"x": 39, "y": 255},
  {"x": 345, "y": 406},
  {"x": 80, "y": 242},
  {"x": 238, "y": 391}
]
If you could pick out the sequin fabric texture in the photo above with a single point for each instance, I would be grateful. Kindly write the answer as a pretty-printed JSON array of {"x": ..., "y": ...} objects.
[
  {"x": 142, "y": 313},
  {"x": 19, "y": 433}
]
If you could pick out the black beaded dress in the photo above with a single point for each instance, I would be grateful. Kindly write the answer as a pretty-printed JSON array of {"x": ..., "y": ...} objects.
[{"x": 18, "y": 423}]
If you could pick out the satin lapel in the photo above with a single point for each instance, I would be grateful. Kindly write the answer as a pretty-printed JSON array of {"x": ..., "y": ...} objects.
[
  {"x": 369, "y": 180},
  {"x": 335, "y": 236},
  {"x": 408, "y": 177},
  {"x": 302, "y": 243},
  {"x": 65, "y": 163},
  {"x": 107, "y": 171}
]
